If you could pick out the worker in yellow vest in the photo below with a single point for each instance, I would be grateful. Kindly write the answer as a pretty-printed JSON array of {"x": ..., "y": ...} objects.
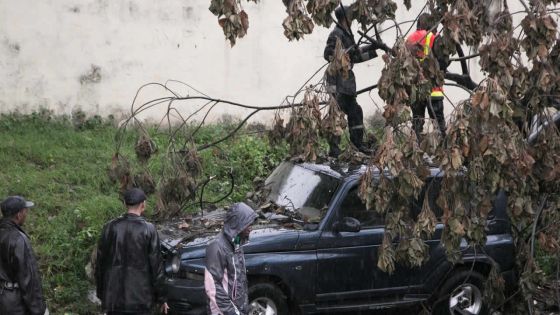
[{"x": 421, "y": 44}]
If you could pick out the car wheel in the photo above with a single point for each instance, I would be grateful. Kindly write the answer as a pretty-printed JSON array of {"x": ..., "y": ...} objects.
[
  {"x": 267, "y": 299},
  {"x": 461, "y": 294}
]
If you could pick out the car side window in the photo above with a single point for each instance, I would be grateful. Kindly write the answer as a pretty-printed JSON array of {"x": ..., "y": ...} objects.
[{"x": 352, "y": 206}]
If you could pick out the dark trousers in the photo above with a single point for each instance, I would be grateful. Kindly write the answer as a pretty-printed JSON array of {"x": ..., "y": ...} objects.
[
  {"x": 11, "y": 302},
  {"x": 355, "y": 116},
  {"x": 435, "y": 112}
]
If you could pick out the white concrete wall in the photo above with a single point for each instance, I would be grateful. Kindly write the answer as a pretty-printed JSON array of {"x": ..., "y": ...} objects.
[{"x": 47, "y": 46}]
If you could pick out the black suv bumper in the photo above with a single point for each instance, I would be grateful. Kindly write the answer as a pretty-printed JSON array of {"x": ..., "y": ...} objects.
[{"x": 185, "y": 296}]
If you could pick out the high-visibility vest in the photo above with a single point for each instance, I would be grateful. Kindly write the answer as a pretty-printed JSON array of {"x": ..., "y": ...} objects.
[{"x": 426, "y": 40}]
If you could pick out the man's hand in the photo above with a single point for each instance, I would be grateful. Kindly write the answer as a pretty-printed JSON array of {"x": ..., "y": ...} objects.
[{"x": 164, "y": 308}]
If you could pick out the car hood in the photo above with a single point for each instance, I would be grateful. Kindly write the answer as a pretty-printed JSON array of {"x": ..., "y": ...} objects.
[{"x": 262, "y": 240}]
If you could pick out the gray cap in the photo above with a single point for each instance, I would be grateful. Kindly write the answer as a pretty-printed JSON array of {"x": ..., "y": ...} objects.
[{"x": 14, "y": 204}]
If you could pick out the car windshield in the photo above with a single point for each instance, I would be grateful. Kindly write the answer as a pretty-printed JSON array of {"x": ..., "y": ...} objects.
[{"x": 296, "y": 187}]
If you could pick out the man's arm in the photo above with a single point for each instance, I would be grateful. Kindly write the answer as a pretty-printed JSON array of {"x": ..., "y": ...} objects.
[
  {"x": 356, "y": 54},
  {"x": 100, "y": 263},
  {"x": 156, "y": 265},
  {"x": 329, "y": 49},
  {"x": 443, "y": 61},
  {"x": 438, "y": 51},
  {"x": 215, "y": 269},
  {"x": 28, "y": 277},
  {"x": 365, "y": 53}
]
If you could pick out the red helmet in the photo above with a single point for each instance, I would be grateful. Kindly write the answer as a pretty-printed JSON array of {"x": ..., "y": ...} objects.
[
  {"x": 415, "y": 43},
  {"x": 416, "y": 38}
]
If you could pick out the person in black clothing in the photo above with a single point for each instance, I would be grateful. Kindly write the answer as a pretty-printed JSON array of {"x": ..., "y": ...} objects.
[
  {"x": 21, "y": 292},
  {"x": 129, "y": 267},
  {"x": 344, "y": 89}
]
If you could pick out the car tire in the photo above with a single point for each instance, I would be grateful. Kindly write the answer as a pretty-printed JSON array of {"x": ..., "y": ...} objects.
[
  {"x": 267, "y": 296},
  {"x": 462, "y": 291}
]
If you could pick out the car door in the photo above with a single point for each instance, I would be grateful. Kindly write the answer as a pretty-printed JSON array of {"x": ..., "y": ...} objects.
[
  {"x": 347, "y": 261},
  {"x": 417, "y": 276}
]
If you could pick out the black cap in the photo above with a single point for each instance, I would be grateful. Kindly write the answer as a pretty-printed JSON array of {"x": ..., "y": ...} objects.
[
  {"x": 134, "y": 196},
  {"x": 14, "y": 204}
]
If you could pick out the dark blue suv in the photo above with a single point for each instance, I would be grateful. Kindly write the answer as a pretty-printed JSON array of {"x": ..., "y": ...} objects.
[{"x": 329, "y": 263}]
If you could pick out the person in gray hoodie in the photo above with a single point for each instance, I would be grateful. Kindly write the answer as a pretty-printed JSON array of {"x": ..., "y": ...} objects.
[{"x": 225, "y": 279}]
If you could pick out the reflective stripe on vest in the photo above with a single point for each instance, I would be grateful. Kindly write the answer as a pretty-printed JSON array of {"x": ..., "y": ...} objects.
[
  {"x": 437, "y": 92},
  {"x": 428, "y": 44}
]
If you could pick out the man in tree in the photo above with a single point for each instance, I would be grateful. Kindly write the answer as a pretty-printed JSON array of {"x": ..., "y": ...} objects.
[
  {"x": 422, "y": 43},
  {"x": 344, "y": 87},
  {"x": 129, "y": 268},
  {"x": 21, "y": 292},
  {"x": 225, "y": 279}
]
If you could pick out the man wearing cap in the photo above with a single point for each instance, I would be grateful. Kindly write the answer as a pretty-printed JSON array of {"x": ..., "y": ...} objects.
[
  {"x": 129, "y": 268},
  {"x": 20, "y": 282}
]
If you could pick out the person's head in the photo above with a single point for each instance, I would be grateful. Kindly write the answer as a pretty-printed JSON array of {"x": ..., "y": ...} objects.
[
  {"x": 135, "y": 200},
  {"x": 15, "y": 208},
  {"x": 343, "y": 15},
  {"x": 425, "y": 22},
  {"x": 239, "y": 220}
]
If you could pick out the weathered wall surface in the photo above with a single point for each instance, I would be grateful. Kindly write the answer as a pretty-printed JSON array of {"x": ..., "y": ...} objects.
[{"x": 95, "y": 54}]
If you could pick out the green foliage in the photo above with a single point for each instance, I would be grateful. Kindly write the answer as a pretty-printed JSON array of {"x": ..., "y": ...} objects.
[
  {"x": 246, "y": 157},
  {"x": 62, "y": 167}
]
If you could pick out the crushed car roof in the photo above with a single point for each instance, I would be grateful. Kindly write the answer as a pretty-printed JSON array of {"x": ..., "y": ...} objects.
[{"x": 341, "y": 171}]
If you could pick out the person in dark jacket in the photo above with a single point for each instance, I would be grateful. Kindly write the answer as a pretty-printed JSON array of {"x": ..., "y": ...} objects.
[
  {"x": 225, "y": 280},
  {"x": 344, "y": 88},
  {"x": 21, "y": 292},
  {"x": 129, "y": 267}
]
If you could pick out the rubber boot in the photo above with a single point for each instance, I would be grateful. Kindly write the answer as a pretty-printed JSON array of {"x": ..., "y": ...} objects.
[
  {"x": 357, "y": 137},
  {"x": 334, "y": 149}
]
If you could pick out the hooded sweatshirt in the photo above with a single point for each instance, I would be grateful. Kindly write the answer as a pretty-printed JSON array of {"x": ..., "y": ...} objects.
[{"x": 225, "y": 279}]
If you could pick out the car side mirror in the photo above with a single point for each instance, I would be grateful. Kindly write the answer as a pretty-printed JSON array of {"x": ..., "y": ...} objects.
[{"x": 347, "y": 224}]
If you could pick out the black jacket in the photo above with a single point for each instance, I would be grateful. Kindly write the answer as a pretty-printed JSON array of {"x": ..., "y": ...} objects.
[
  {"x": 356, "y": 54},
  {"x": 129, "y": 268},
  {"x": 18, "y": 265}
]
